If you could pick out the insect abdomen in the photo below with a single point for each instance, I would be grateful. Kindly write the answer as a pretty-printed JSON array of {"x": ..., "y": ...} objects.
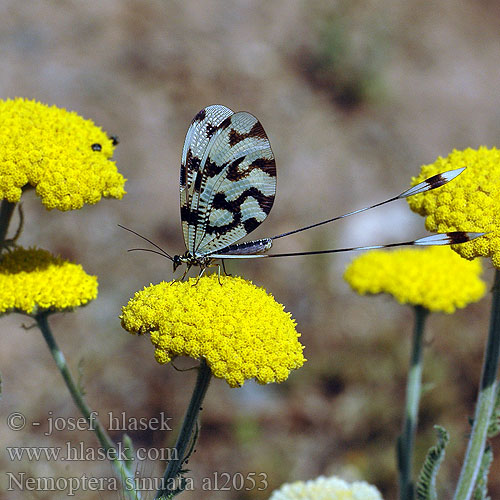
[{"x": 248, "y": 247}]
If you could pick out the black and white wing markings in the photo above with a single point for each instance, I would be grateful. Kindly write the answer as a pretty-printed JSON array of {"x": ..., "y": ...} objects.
[
  {"x": 199, "y": 134},
  {"x": 228, "y": 179},
  {"x": 227, "y": 188}
]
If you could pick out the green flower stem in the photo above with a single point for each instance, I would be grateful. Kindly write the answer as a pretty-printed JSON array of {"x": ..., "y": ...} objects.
[
  {"x": 6, "y": 211},
  {"x": 413, "y": 390},
  {"x": 120, "y": 467},
  {"x": 188, "y": 429},
  {"x": 485, "y": 402}
]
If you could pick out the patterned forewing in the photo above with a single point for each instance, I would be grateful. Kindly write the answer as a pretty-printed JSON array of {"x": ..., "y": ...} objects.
[
  {"x": 237, "y": 186},
  {"x": 204, "y": 125}
]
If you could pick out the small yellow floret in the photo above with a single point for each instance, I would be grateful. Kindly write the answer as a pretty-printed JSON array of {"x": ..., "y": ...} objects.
[
  {"x": 34, "y": 280},
  {"x": 471, "y": 202},
  {"x": 239, "y": 329},
  {"x": 434, "y": 277},
  {"x": 326, "y": 488},
  {"x": 50, "y": 149}
]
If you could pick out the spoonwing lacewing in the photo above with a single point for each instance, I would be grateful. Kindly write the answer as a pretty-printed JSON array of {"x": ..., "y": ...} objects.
[{"x": 227, "y": 189}]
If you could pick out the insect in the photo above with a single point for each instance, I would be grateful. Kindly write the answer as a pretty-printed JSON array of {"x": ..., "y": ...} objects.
[{"x": 227, "y": 189}]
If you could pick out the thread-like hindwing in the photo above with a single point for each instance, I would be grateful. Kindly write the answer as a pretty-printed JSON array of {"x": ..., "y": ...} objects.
[
  {"x": 227, "y": 181},
  {"x": 227, "y": 189}
]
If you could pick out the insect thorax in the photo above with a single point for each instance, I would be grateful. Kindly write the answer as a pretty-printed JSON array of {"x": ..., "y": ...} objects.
[{"x": 192, "y": 260}]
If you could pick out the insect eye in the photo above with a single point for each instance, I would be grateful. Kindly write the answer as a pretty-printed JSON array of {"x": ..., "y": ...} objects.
[
  {"x": 96, "y": 147},
  {"x": 114, "y": 140}
]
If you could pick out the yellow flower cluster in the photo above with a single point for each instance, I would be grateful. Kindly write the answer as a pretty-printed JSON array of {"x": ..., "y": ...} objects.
[
  {"x": 326, "y": 488},
  {"x": 33, "y": 280},
  {"x": 470, "y": 203},
  {"x": 434, "y": 277},
  {"x": 65, "y": 157},
  {"x": 239, "y": 329}
]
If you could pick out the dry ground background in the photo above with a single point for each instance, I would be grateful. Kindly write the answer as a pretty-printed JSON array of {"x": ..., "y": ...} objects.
[{"x": 355, "y": 96}]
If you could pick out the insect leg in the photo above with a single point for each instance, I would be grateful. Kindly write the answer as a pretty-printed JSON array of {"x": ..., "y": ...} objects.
[
  {"x": 224, "y": 268},
  {"x": 202, "y": 272}
]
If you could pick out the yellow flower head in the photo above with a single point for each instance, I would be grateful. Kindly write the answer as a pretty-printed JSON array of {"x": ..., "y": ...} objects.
[
  {"x": 34, "y": 280},
  {"x": 471, "y": 202},
  {"x": 326, "y": 488},
  {"x": 434, "y": 277},
  {"x": 65, "y": 157},
  {"x": 239, "y": 329}
]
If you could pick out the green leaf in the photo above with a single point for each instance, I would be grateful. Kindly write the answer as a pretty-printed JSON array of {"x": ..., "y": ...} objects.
[
  {"x": 128, "y": 446},
  {"x": 426, "y": 484},
  {"x": 494, "y": 427},
  {"x": 481, "y": 487}
]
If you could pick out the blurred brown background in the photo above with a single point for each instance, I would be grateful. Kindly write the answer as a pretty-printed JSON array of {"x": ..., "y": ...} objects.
[{"x": 354, "y": 96}]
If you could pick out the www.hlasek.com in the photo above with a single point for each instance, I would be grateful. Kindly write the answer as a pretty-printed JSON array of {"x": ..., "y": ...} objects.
[
  {"x": 218, "y": 481},
  {"x": 79, "y": 452}
]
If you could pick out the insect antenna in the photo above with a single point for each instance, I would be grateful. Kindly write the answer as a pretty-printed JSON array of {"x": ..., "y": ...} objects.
[
  {"x": 148, "y": 250},
  {"x": 431, "y": 183},
  {"x": 160, "y": 252}
]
